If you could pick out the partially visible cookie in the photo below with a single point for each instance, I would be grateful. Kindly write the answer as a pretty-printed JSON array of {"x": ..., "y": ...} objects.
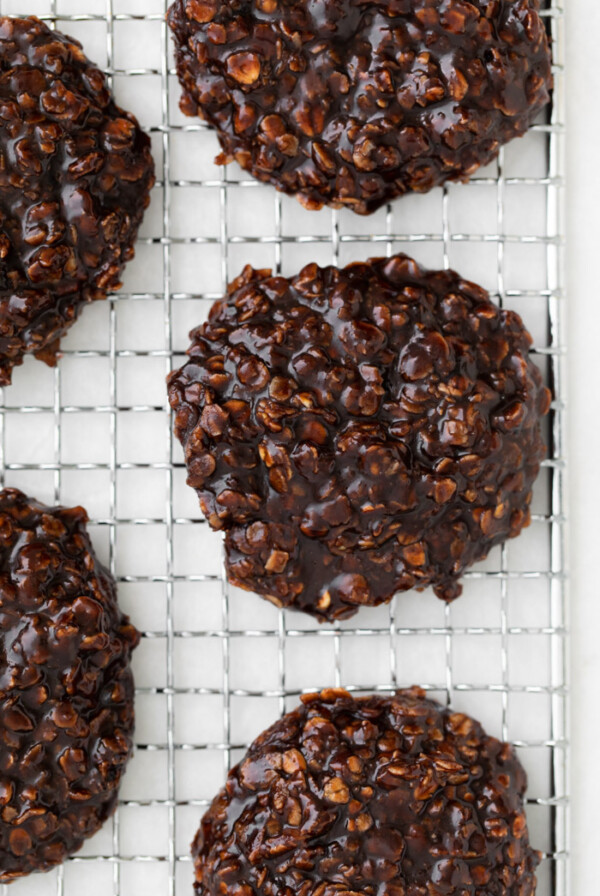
[
  {"x": 354, "y": 102},
  {"x": 358, "y": 432},
  {"x": 75, "y": 178},
  {"x": 66, "y": 688},
  {"x": 390, "y": 795}
]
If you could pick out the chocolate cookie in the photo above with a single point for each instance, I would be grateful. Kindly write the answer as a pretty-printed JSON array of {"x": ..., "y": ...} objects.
[
  {"x": 360, "y": 431},
  {"x": 354, "y": 102},
  {"x": 75, "y": 177},
  {"x": 393, "y": 795},
  {"x": 66, "y": 689}
]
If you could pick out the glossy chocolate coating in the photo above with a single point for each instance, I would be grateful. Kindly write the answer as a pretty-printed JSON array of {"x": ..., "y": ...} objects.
[
  {"x": 376, "y": 795},
  {"x": 354, "y": 102},
  {"x": 66, "y": 689},
  {"x": 360, "y": 431},
  {"x": 75, "y": 177}
]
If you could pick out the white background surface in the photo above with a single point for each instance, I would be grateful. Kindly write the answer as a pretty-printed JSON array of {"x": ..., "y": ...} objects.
[{"x": 583, "y": 232}]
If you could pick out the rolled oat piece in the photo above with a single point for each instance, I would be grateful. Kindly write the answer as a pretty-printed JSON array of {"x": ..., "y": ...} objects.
[
  {"x": 358, "y": 432},
  {"x": 394, "y": 795},
  {"x": 354, "y": 102},
  {"x": 66, "y": 688},
  {"x": 75, "y": 178}
]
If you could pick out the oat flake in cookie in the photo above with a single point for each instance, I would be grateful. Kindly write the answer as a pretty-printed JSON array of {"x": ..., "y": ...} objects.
[
  {"x": 354, "y": 102},
  {"x": 373, "y": 795},
  {"x": 75, "y": 177},
  {"x": 360, "y": 431},
  {"x": 66, "y": 689}
]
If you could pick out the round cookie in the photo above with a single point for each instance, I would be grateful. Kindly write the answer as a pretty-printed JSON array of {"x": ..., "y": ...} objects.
[
  {"x": 393, "y": 795},
  {"x": 358, "y": 432},
  {"x": 354, "y": 102},
  {"x": 75, "y": 178},
  {"x": 66, "y": 688}
]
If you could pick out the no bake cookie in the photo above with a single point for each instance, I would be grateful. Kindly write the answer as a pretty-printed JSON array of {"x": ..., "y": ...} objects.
[
  {"x": 75, "y": 178},
  {"x": 66, "y": 688},
  {"x": 393, "y": 795},
  {"x": 360, "y": 431},
  {"x": 354, "y": 102}
]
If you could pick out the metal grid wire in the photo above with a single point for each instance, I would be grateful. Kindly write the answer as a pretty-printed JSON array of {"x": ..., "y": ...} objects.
[{"x": 215, "y": 665}]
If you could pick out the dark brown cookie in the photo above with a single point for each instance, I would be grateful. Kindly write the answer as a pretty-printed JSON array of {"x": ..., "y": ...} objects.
[
  {"x": 66, "y": 689},
  {"x": 391, "y": 795},
  {"x": 361, "y": 431},
  {"x": 354, "y": 102},
  {"x": 75, "y": 177}
]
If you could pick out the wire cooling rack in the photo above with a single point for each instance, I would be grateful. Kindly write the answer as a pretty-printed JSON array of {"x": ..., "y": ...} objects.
[{"x": 216, "y": 665}]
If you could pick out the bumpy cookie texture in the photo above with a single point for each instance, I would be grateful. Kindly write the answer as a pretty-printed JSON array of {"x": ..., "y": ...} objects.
[
  {"x": 75, "y": 177},
  {"x": 361, "y": 431},
  {"x": 354, "y": 102},
  {"x": 390, "y": 795},
  {"x": 66, "y": 689}
]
